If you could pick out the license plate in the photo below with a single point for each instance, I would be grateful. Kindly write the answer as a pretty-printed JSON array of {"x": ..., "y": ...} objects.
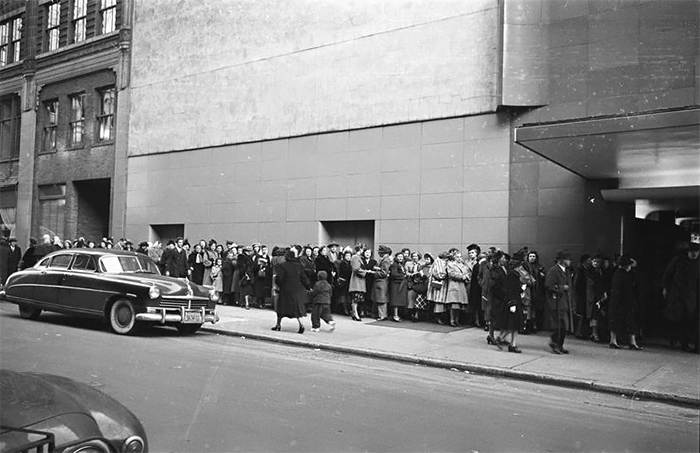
[{"x": 192, "y": 317}]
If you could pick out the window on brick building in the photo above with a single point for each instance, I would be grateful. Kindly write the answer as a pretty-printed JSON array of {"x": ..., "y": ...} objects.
[
  {"x": 10, "y": 41},
  {"x": 10, "y": 120},
  {"x": 50, "y": 125},
  {"x": 105, "y": 117},
  {"x": 77, "y": 118},
  {"x": 79, "y": 20},
  {"x": 52, "y": 209},
  {"x": 8, "y": 211},
  {"x": 53, "y": 24},
  {"x": 108, "y": 15}
]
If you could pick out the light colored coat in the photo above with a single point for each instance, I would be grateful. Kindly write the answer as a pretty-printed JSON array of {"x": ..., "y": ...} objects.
[
  {"x": 457, "y": 277},
  {"x": 438, "y": 271},
  {"x": 358, "y": 282}
]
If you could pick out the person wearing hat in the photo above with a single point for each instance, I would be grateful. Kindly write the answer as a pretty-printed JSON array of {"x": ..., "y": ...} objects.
[
  {"x": 380, "y": 287},
  {"x": 558, "y": 285},
  {"x": 623, "y": 304},
  {"x": 293, "y": 286},
  {"x": 142, "y": 248},
  {"x": 680, "y": 289},
  {"x": 244, "y": 266}
]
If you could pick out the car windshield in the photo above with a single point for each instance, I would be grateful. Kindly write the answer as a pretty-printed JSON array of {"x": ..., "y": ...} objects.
[{"x": 128, "y": 264}]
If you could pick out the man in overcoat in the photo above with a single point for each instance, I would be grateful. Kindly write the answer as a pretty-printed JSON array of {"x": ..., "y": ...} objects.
[
  {"x": 558, "y": 285},
  {"x": 176, "y": 260}
]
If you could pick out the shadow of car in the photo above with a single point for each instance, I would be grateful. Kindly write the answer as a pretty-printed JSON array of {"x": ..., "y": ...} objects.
[
  {"x": 50, "y": 413},
  {"x": 123, "y": 288}
]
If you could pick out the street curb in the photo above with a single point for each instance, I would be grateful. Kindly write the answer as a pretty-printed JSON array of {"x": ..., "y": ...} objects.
[{"x": 559, "y": 381}]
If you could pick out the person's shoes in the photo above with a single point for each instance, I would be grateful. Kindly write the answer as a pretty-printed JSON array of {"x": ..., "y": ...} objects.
[
  {"x": 493, "y": 341},
  {"x": 356, "y": 318},
  {"x": 396, "y": 319},
  {"x": 514, "y": 349},
  {"x": 314, "y": 329},
  {"x": 614, "y": 346},
  {"x": 635, "y": 347},
  {"x": 277, "y": 328},
  {"x": 563, "y": 351},
  {"x": 441, "y": 322},
  {"x": 453, "y": 324},
  {"x": 595, "y": 338},
  {"x": 332, "y": 326},
  {"x": 554, "y": 347},
  {"x": 301, "y": 329},
  {"x": 381, "y": 319}
]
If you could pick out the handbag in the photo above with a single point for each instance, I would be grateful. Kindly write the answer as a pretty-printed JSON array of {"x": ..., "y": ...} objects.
[
  {"x": 420, "y": 285},
  {"x": 436, "y": 284},
  {"x": 421, "y": 302}
]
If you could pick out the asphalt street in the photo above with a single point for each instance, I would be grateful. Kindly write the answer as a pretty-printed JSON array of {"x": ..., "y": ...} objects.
[{"x": 220, "y": 393}]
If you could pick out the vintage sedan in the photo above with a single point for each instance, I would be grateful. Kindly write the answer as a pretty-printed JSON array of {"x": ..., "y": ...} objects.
[
  {"x": 50, "y": 413},
  {"x": 124, "y": 288}
]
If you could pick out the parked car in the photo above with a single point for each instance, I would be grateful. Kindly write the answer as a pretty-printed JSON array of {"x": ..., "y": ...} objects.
[
  {"x": 124, "y": 288},
  {"x": 50, "y": 413}
]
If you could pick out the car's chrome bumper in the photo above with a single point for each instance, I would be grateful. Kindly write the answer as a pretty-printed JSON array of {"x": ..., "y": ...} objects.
[{"x": 173, "y": 315}]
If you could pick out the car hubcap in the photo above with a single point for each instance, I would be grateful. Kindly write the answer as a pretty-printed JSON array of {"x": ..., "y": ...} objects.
[{"x": 123, "y": 315}]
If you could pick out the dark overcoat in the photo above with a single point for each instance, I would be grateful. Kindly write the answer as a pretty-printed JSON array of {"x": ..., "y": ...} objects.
[
  {"x": 293, "y": 284},
  {"x": 558, "y": 285}
]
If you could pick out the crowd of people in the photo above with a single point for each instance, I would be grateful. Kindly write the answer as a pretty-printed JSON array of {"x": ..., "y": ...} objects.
[{"x": 506, "y": 295}]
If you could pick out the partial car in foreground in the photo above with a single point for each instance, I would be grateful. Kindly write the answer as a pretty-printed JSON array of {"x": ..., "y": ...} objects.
[
  {"x": 124, "y": 288},
  {"x": 50, "y": 413}
]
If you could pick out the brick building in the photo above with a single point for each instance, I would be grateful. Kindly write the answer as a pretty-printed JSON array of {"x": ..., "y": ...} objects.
[{"x": 64, "y": 72}]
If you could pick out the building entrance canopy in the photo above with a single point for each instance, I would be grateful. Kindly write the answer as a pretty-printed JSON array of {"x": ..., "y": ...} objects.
[{"x": 655, "y": 156}]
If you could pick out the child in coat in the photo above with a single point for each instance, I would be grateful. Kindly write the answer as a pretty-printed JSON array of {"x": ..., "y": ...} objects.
[{"x": 320, "y": 296}]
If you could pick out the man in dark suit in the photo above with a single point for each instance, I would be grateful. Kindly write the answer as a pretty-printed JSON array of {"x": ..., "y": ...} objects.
[
  {"x": 15, "y": 256},
  {"x": 558, "y": 285},
  {"x": 176, "y": 260}
]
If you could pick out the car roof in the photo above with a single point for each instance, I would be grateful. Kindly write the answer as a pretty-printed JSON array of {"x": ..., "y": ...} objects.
[{"x": 97, "y": 252}]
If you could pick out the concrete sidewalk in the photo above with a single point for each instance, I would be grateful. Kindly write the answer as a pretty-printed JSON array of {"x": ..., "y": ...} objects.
[{"x": 656, "y": 373}]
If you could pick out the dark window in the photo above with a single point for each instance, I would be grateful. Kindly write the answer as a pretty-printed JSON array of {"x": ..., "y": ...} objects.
[
  {"x": 10, "y": 117},
  {"x": 52, "y": 209},
  {"x": 79, "y": 20},
  {"x": 61, "y": 261},
  {"x": 50, "y": 124},
  {"x": 77, "y": 118},
  {"x": 105, "y": 117},
  {"x": 84, "y": 263},
  {"x": 10, "y": 41},
  {"x": 8, "y": 211},
  {"x": 108, "y": 16},
  {"x": 53, "y": 26}
]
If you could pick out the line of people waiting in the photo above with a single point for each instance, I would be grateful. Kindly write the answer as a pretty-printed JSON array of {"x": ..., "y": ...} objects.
[{"x": 506, "y": 295}]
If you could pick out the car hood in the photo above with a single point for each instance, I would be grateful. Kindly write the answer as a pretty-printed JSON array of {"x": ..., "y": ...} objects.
[
  {"x": 167, "y": 285},
  {"x": 69, "y": 409}
]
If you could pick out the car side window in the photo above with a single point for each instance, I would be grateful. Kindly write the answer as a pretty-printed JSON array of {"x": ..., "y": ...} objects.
[
  {"x": 60, "y": 261},
  {"x": 84, "y": 263}
]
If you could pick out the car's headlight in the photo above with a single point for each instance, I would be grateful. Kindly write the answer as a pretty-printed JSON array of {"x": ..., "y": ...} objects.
[
  {"x": 213, "y": 295},
  {"x": 154, "y": 292},
  {"x": 133, "y": 444},
  {"x": 93, "y": 446}
]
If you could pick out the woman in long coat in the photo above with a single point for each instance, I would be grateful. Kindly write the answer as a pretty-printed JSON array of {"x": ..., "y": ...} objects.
[
  {"x": 293, "y": 285},
  {"x": 437, "y": 286},
  {"x": 498, "y": 273},
  {"x": 623, "y": 305},
  {"x": 358, "y": 283},
  {"x": 457, "y": 278},
  {"x": 246, "y": 276},
  {"x": 398, "y": 286},
  {"x": 227, "y": 269}
]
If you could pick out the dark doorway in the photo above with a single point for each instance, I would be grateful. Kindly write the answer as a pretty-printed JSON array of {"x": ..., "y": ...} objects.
[
  {"x": 350, "y": 232},
  {"x": 652, "y": 243},
  {"x": 166, "y": 232},
  {"x": 94, "y": 206}
]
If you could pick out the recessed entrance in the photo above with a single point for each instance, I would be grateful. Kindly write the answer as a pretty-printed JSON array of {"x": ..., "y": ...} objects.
[
  {"x": 350, "y": 232},
  {"x": 94, "y": 206}
]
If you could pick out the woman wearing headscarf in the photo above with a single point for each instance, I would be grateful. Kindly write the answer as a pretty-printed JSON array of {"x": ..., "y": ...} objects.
[
  {"x": 293, "y": 286},
  {"x": 457, "y": 279}
]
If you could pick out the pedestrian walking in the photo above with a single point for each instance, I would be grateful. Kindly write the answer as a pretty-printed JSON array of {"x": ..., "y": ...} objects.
[
  {"x": 293, "y": 285},
  {"x": 320, "y": 296}
]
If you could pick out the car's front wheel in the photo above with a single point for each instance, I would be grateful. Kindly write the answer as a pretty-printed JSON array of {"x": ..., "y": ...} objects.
[
  {"x": 188, "y": 329},
  {"x": 122, "y": 317},
  {"x": 28, "y": 312}
]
